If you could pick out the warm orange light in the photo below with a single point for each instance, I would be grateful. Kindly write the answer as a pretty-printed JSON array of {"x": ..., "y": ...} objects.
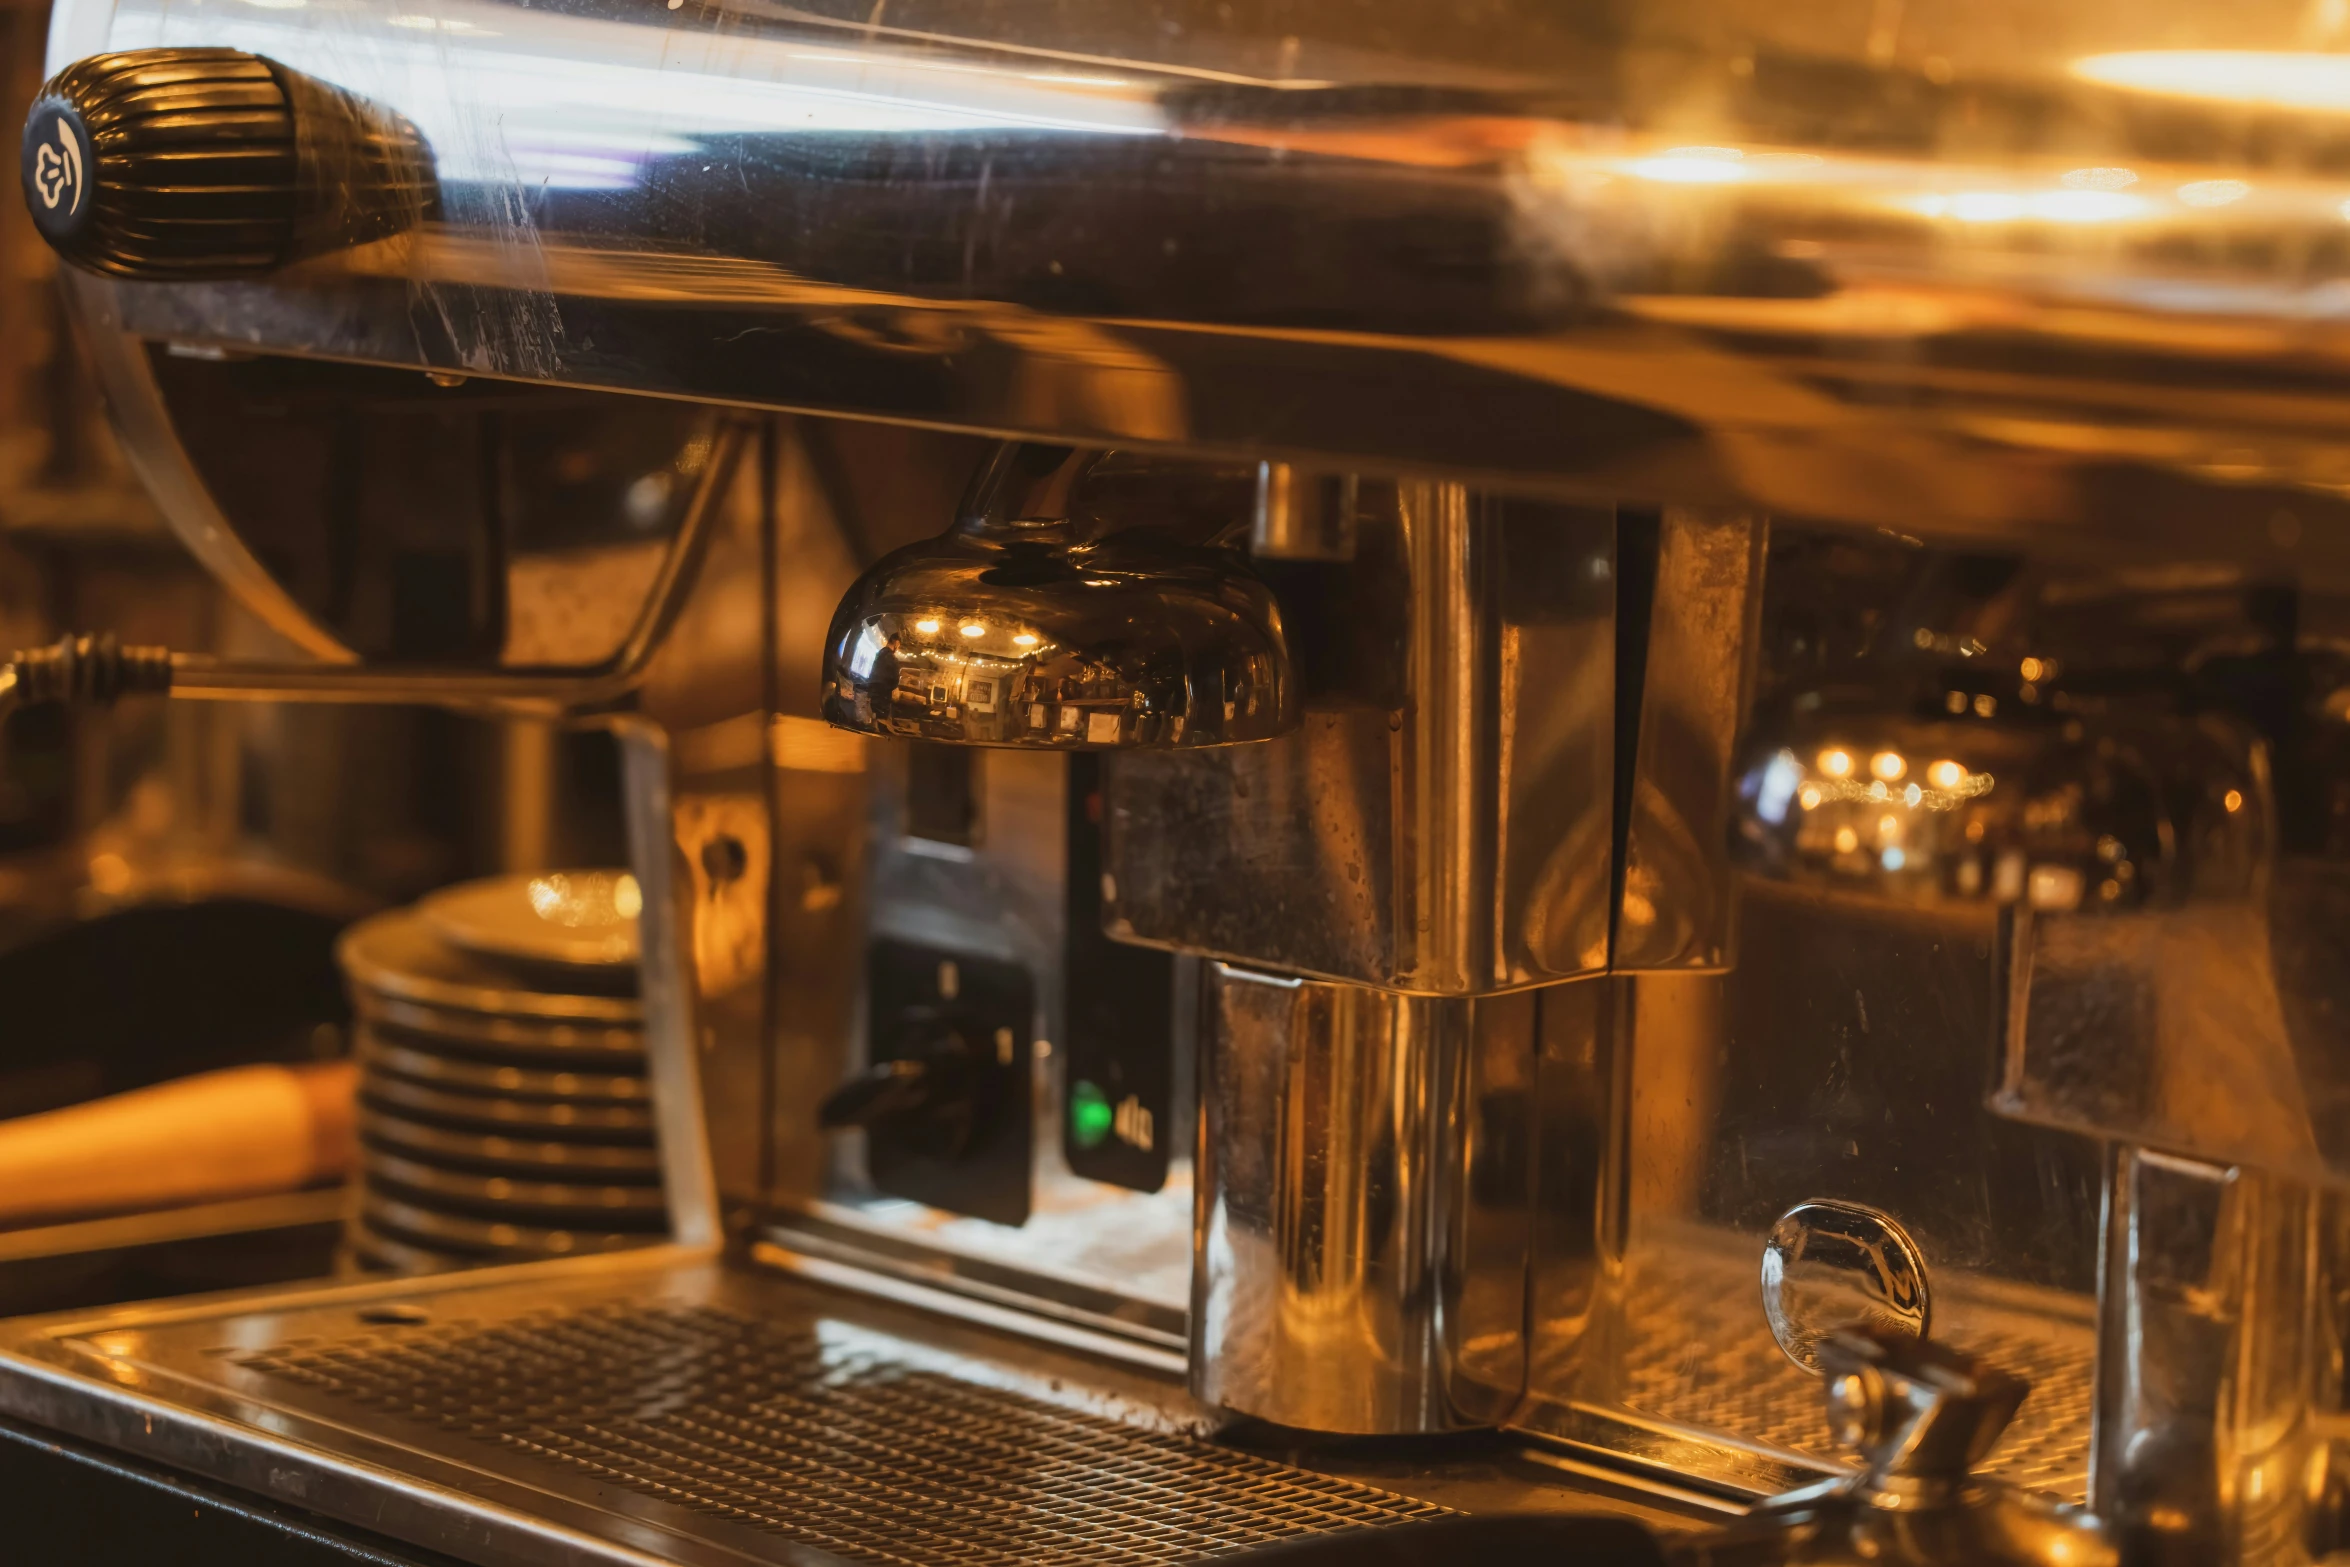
[
  {"x": 2233, "y": 800},
  {"x": 1809, "y": 797},
  {"x": 1836, "y": 764},
  {"x": 2311, "y": 80},
  {"x": 974, "y": 629},
  {"x": 1888, "y": 765},
  {"x": 1846, "y": 840},
  {"x": 1946, "y": 775},
  {"x": 927, "y": 627},
  {"x": 2032, "y": 669},
  {"x": 1025, "y": 639},
  {"x": 2213, "y": 193},
  {"x": 2105, "y": 178},
  {"x": 1693, "y": 166}
]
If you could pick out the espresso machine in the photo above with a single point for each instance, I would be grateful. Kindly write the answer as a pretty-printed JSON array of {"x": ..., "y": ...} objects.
[{"x": 1575, "y": 771}]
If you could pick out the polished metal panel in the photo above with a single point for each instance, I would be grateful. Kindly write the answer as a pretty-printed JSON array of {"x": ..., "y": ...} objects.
[
  {"x": 1843, "y": 1058},
  {"x": 2219, "y": 1391},
  {"x": 364, "y": 513},
  {"x": 1921, "y": 1418},
  {"x": 1361, "y": 1261},
  {"x": 1302, "y": 515},
  {"x": 1827, "y": 1266},
  {"x": 1947, "y": 270},
  {"x": 1697, "y": 669},
  {"x": 991, "y": 887},
  {"x": 645, "y": 1409},
  {"x": 1675, "y": 1373},
  {"x": 2044, "y": 836},
  {"x": 1055, "y": 618},
  {"x": 1441, "y": 823}
]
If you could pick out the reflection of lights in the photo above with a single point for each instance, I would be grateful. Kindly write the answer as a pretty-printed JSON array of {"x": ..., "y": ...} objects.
[
  {"x": 1985, "y": 705},
  {"x": 972, "y": 628},
  {"x": 1888, "y": 765},
  {"x": 1025, "y": 639},
  {"x": 594, "y": 101},
  {"x": 432, "y": 24},
  {"x": 1779, "y": 780},
  {"x": 2213, "y": 193},
  {"x": 2054, "y": 887},
  {"x": 1946, "y": 775},
  {"x": 2278, "y": 79},
  {"x": 1836, "y": 764},
  {"x": 2098, "y": 179},
  {"x": 1888, "y": 828},
  {"x": 1893, "y": 859},
  {"x": 1693, "y": 166},
  {"x": 2083, "y": 206},
  {"x": 2233, "y": 800},
  {"x": 110, "y": 873},
  {"x": 2032, "y": 669},
  {"x": 928, "y": 628},
  {"x": 1809, "y": 797},
  {"x": 1846, "y": 840},
  {"x": 1966, "y": 786},
  {"x": 573, "y": 900},
  {"x": 2048, "y": 206}
]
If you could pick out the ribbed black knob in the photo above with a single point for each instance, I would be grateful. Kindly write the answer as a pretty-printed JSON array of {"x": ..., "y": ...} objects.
[{"x": 211, "y": 163}]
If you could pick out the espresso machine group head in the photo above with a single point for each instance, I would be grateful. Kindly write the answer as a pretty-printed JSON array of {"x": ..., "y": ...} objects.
[
  {"x": 1052, "y": 615},
  {"x": 1382, "y": 761}
]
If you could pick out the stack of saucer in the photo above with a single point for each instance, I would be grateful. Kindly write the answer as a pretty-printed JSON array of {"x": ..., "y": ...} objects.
[{"x": 504, "y": 1107}]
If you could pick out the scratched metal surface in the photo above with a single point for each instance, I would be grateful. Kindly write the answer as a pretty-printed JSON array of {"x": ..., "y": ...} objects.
[{"x": 1937, "y": 267}]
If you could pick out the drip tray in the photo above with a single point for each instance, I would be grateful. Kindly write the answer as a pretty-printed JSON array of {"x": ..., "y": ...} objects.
[{"x": 640, "y": 1409}]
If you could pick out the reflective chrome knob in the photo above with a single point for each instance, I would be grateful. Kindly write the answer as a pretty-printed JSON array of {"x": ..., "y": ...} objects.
[
  {"x": 1829, "y": 1266},
  {"x": 211, "y": 163}
]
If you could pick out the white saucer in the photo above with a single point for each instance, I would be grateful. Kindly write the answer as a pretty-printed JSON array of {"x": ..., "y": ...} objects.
[{"x": 583, "y": 918}]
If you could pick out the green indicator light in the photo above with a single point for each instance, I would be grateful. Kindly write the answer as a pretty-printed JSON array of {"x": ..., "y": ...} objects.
[{"x": 1090, "y": 1115}]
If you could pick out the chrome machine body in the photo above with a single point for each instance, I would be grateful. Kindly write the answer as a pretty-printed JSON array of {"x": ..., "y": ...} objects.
[{"x": 1626, "y": 685}]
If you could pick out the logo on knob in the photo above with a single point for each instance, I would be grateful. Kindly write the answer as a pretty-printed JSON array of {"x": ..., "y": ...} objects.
[{"x": 57, "y": 169}]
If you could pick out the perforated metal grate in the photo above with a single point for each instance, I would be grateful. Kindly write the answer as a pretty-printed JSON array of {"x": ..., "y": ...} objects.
[
  {"x": 835, "y": 1446},
  {"x": 1698, "y": 1352}
]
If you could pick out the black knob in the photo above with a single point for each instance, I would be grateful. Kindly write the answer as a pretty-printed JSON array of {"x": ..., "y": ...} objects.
[
  {"x": 212, "y": 163},
  {"x": 931, "y": 1095}
]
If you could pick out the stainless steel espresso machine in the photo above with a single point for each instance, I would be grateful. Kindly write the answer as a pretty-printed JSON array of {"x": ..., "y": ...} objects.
[{"x": 1581, "y": 765}]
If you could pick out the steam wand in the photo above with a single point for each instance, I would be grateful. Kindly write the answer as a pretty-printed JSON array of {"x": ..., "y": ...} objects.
[{"x": 83, "y": 671}]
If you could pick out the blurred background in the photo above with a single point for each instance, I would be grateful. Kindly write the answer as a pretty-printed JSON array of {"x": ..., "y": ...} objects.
[{"x": 173, "y": 876}]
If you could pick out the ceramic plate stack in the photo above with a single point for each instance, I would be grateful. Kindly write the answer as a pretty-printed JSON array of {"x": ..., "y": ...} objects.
[{"x": 504, "y": 1109}]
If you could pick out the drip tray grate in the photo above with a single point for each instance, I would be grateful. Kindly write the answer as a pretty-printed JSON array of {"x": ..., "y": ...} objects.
[{"x": 830, "y": 1444}]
